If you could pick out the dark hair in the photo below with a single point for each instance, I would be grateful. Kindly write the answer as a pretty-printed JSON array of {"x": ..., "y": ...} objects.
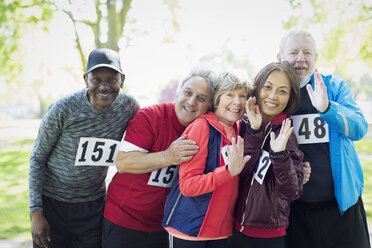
[{"x": 295, "y": 96}]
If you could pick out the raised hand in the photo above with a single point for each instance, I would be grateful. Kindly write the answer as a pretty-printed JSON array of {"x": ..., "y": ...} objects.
[
  {"x": 279, "y": 143},
  {"x": 237, "y": 160},
  {"x": 181, "y": 150},
  {"x": 253, "y": 113},
  {"x": 318, "y": 96}
]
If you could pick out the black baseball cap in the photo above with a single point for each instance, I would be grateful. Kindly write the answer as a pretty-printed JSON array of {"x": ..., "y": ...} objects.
[{"x": 103, "y": 57}]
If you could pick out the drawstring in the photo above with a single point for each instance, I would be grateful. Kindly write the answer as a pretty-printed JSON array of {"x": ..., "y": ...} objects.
[{"x": 268, "y": 124}]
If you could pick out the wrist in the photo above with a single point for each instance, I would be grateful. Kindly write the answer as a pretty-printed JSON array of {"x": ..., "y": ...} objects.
[{"x": 328, "y": 106}]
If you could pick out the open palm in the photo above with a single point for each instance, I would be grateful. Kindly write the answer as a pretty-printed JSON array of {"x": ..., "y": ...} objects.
[{"x": 279, "y": 143}]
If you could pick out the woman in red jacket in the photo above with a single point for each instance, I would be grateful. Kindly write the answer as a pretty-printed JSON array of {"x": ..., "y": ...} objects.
[
  {"x": 273, "y": 176},
  {"x": 200, "y": 208}
]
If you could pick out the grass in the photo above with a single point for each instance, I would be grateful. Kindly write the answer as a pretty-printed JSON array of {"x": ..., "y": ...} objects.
[
  {"x": 14, "y": 200},
  {"x": 14, "y": 213}
]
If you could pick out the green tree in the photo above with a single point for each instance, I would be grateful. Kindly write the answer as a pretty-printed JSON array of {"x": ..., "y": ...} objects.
[
  {"x": 346, "y": 27},
  {"x": 15, "y": 17}
]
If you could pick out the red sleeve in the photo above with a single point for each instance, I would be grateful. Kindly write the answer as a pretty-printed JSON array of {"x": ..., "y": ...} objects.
[
  {"x": 140, "y": 130},
  {"x": 192, "y": 180}
]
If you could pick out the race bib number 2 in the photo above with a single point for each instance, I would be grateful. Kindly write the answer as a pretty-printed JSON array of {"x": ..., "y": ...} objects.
[
  {"x": 96, "y": 152},
  {"x": 310, "y": 129},
  {"x": 263, "y": 165}
]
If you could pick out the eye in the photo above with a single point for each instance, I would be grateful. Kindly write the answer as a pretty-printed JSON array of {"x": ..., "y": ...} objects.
[
  {"x": 112, "y": 81},
  {"x": 243, "y": 96},
  {"x": 201, "y": 99},
  {"x": 95, "y": 80},
  {"x": 187, "y": 93},
  {"x": 283, "y": 92},
  {"x": 292, "y": 53}
]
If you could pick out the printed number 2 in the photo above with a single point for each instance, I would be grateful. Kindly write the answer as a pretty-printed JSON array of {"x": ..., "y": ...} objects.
[
  {"x": 96, "y": 149},
  {"x": 319, "y": 130},
  {"x": 265, "y": 163}
]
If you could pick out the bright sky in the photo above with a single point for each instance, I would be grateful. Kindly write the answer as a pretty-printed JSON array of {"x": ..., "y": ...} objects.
[{"x": 250, "y": 28}]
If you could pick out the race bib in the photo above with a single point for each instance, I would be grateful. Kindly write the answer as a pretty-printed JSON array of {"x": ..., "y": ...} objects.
[
  {"x": 310, "y": 129},
  {"x": 263, "y": 165},
  {"x": 97, "y": 152},
  {"x": 224, "y": 154},
  {"x": 163, "y": 177}
]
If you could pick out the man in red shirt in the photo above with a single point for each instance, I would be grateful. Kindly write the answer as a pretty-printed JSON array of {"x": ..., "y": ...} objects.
[{"x": 150, "y": 155}]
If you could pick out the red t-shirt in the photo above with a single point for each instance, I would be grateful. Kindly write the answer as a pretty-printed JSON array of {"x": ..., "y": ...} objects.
[{"x": 136, "y": 201}]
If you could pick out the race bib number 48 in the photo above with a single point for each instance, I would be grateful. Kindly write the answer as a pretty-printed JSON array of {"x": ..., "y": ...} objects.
[
  {"x": 97, "y": 152},
  {"x": 310, "y": 129}
]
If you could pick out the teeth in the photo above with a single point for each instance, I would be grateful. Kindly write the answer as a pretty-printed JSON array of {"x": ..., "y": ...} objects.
[
  {"x": 188, "y": 109},
  {"x": 271, "y": 104},
  {"x": 234, "y": 110}
]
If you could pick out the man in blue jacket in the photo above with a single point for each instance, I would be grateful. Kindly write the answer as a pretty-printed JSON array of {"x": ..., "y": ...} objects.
[{"x": 330, "y": 213}]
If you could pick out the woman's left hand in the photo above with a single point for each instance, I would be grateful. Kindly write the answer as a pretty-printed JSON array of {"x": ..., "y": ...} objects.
[{"x": 279, "y": 143}]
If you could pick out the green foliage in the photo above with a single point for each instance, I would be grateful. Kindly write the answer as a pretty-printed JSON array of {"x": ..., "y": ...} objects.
[
  {"x": 364, "y": 146},
  {"x": 346, "y": 27},
  {"x": 367, "y": 192},
  {"x": 15, "y": 17},
  {"x": 14, "y": 213}
]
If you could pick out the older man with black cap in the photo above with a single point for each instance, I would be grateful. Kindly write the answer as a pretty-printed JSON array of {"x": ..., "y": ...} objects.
[{"x": 77, "y": 139}]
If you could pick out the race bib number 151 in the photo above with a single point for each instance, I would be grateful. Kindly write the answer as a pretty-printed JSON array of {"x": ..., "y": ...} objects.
[{"x": 97, "y": 152}]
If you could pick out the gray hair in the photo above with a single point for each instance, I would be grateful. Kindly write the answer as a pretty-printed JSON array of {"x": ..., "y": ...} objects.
[
  {"x": 294, "y": 33},
  {"x": 205, "y": 73},
  {"x": 228, "y": 81}
]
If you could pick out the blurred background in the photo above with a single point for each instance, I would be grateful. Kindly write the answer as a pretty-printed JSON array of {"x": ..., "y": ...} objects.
[{"x": 44, "y": 45}]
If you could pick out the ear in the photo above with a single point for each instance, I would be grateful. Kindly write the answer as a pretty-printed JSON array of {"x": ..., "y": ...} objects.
[
  {"x": 316, "y": 56},
  {"x": 85, "y": 76},
  {"x": 278, "y": 57},
  {"x": 122, "y": 80}
]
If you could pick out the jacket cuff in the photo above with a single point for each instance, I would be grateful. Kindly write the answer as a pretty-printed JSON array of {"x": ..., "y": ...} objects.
[{"x": 282, "y": 153}]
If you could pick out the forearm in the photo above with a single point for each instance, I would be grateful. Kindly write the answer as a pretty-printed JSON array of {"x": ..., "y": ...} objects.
[
  {"x": 35, "y": 182},
  {"x": 196, "y": 185},
  {"x": 141, "y": 162},
  {"x": 349, "y": 122}
]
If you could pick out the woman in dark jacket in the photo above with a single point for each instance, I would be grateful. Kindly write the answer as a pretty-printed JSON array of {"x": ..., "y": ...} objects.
[{"x": 273, "y": 176}]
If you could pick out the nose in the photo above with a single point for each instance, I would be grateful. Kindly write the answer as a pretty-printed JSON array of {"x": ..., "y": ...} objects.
[
  {"x": 192, "y": 100},
  {"x": 272, "y": 94},
  {"x": 300, "y": 56},
  {"x": 104, "y": 85},
  {"x": 236, "y": 100}
]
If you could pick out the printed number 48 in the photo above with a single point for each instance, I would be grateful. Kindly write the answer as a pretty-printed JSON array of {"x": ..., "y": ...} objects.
[{"x": 318, "y": 125}]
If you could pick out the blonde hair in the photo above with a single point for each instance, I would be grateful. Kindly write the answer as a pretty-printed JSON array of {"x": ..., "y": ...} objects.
[{"x": 228, "y": 81}]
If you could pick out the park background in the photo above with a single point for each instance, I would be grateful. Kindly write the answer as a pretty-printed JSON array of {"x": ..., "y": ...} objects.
[{"x": 44, "y": 45}]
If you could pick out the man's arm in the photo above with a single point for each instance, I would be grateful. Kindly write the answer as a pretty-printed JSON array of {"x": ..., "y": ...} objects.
[
  {"x": 136, "y": 162},
  {"x": 344, "y": 114},
  {"x": 48, "y": 135}
]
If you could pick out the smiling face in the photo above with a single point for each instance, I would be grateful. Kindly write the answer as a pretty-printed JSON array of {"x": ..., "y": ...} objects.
[
  {"x": 193, "y": 100},
  {"x": 300, "y": 52},
  {"x": 274, "y": 95},
  {"x": 103, "y": 86},
  {"x": 231, "y": 106}
]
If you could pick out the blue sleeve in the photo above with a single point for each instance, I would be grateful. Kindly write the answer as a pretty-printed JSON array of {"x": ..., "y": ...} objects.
[{"x": 344, "y": 115}]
